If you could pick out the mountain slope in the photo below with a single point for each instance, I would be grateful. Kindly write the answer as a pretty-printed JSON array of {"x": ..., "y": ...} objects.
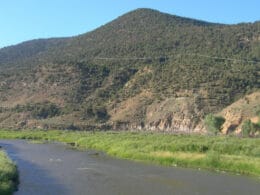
[
  {"x": 27, "y": 51},
  {"x": 246, "y": 108},
  {"x": 146, "y": 69}
]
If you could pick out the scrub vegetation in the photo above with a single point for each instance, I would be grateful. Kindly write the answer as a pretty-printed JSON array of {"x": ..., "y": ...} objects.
[
  {"x": 213, "y": 123},
  {"x": 8, "y": 174},
  {"x": 218, "y": 153}
]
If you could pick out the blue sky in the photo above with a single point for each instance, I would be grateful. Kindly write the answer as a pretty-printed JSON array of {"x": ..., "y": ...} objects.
[{"x": 22, "y": 20}]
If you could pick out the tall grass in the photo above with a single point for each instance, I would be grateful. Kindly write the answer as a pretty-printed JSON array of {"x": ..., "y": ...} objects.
[
  {"x": 8, "y": 174},
  {"x": 233, "y": 154}
]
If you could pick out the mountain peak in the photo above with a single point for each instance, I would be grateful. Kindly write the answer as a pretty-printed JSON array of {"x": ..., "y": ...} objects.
[
  {"x": 144, "y": 11},
  {"x": 152, "y": 14}
]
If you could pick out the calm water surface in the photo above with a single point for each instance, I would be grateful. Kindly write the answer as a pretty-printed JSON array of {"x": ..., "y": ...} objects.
[{"x": 55, "y": 168}]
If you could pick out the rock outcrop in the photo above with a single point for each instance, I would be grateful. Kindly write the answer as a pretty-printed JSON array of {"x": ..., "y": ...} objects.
[
  {"x": 244, "y": 109},
  {"x": 174, "y": 115}
]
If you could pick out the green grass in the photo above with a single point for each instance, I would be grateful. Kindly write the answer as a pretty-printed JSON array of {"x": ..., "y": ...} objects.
[
  {"x": 8, "y": 174},
  {"x": 232, "y": 154}
]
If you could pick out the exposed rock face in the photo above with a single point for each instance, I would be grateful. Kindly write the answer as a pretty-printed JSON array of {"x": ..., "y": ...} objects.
[
  {"x": 174, "y": 115},
  {"x": 233, "y": 120},
  {"x": 241, "y": 110},
  {"x": 178, "y": 114}
]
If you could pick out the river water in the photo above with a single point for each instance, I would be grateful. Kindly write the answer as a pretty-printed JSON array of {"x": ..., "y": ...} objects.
[{"x": 55, "y": 168}]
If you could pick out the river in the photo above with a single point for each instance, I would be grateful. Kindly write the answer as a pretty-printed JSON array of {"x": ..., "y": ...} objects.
[{"x": 55, "y": 168}]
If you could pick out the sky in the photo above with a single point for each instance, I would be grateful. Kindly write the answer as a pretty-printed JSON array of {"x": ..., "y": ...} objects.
[{"x": 22, "y": 20}]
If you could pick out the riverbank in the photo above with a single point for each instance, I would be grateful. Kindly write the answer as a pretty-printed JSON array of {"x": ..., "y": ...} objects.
[
  {"x": 8, "y": 174},
  {"x": 218, "y": 153}
]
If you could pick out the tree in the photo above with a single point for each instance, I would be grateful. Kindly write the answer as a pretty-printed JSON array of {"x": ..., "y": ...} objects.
[
  {"x": 213, "y": 123},
  {"x": 101, "y": 113}
]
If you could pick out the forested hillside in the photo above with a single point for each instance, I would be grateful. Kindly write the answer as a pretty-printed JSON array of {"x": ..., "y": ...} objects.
[{"x": 144, "y": 70}]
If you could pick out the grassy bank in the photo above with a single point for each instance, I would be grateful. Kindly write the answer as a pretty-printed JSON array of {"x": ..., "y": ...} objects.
[
  {"x": 232, "y": 154},
  {"x": 8, "y": 174}
]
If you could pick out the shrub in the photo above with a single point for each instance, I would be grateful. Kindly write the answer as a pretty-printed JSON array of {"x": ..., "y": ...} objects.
[
  {"x": 8, "y": 174},
  {"x": 97, "y": 112},
  {"x": 101, "y": 113},
  {"x": 39, "y": 110},
  {"x": 213, "y": 123},
  {"x": 248, "y": 128}
]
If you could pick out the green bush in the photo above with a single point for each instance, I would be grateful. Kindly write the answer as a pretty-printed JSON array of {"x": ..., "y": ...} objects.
[
  {"x": 248, "y": 128},
  {"x": 39, "y": 110},
  {"x": 97, "y": 112},
  {"x": 8, "y": 174},
  {"x": 45, "y": 111},
  {"x": 213, "y": 123}
]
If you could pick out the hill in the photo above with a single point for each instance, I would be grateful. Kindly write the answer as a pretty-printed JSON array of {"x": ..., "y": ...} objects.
[
  {"x": 145, "y": 70},
  {"x": 246, "y": 108}
]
